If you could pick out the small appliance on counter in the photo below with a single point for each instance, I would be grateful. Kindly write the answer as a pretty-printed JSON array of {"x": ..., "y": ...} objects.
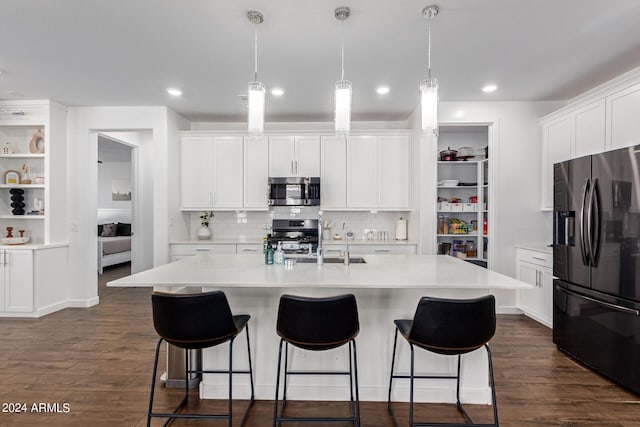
[{"x": 294, "y": 191}]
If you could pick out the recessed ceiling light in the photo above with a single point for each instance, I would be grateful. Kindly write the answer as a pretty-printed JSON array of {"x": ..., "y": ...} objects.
[
  {"x": 489, "y": 88},
  {"x": 174, "y": 91},
  {"x": 382, "y": 89},
  {"x": 277, "y": 91}
]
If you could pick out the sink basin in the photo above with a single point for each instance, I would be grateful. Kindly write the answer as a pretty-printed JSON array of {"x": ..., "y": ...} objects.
[{"x": 332, "y": 260}]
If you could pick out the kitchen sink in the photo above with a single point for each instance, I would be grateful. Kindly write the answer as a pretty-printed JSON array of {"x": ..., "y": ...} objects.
[{"x": 332, "y": 260}]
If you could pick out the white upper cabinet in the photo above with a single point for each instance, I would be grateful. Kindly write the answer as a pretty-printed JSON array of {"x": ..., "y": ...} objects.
[
  {"x": 333, "y": 172},
  {"x": 362, "y": 172},
  {"x": 378, "y": 172},
  {"x": 589, "y": 129},
  {"x": 557, "y": 138},
  {"x": 393, "y": 167},
  {"x": 294, "y": 156},
  {"x": 211, "y": 172},
  {"x": 623, "y": 125},
  {"x": 256, "y": 172}
]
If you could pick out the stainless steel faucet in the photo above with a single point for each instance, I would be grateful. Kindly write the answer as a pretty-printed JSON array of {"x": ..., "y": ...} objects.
[{"x": 320, "y": 248}]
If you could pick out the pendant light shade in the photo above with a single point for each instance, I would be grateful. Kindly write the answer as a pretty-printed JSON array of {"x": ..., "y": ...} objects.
[
  {"x": 256, "y": 91},
  {"x": 343, "y": 106},
  {"x": 429, "y": 105},
  {"x": 255, "y": 103},
  {"x": 429, "y": 86},
  {"x": 342, "y": 97}
]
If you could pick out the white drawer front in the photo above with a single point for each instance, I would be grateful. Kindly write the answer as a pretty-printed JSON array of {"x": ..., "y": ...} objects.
[
  {"x": 382, "y": 249},
  {"x": 535, "y": 257},
  {"x": 249, "y": 248},
  {"x": 190, "y": 250}
]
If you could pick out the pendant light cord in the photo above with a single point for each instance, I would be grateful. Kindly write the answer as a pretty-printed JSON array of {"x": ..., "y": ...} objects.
[
  {"x": 255, "y": 55},
  {"x": 429, "y": 46},
  {"x": 342, "y": 47}
]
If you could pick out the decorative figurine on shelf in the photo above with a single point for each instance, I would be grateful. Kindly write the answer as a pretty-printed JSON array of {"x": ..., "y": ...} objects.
[
  {"x": 21, "y": 233},
  {"x": 26, "y": 179},
  {"x": 9, "y": 232},
  {"x": 17, "y": 201},
  {"x": 36, "y": 145},
  {"x": 7, "y": 149}
]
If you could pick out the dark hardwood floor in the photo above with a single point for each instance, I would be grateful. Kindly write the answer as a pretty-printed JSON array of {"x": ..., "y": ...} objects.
[{"x": 99, "y": 360}]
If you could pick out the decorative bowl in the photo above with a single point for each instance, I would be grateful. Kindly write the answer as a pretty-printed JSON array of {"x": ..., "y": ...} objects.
[{"x": 14, "y": 240}]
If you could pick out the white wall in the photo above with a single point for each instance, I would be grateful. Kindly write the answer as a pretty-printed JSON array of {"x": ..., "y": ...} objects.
[
  {"x": 107, "y": 172},
  {"x": 83, "y": 125}
]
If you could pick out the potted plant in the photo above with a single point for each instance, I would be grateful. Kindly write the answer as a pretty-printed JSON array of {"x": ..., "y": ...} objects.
[{"x": 203, "y": 232}]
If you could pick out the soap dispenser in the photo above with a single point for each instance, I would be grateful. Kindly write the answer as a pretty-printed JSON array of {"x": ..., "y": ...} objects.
[{"x": 279, "y": 255}]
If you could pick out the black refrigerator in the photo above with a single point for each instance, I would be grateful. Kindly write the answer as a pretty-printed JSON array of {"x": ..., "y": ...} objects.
[{"x": 596, "y": 262}]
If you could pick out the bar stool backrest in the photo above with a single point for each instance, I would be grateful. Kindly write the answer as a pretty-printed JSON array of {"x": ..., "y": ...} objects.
[
  {"x": 453, "y": 326},
  {"x": 193, "y": 321},
  {"x": 318, "y": 323}
]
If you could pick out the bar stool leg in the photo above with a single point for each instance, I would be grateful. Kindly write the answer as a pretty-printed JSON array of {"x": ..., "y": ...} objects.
[
  {"x": 286, "y": 374},
  {"x": 275, "y": 404},
  {"x": 411, "y": 387},
  {"x": 355, "y": 362},
  {"x": 493, "y": 388},
  {"x": 391, "y": 376},
  {"x": 153, "y": 381},
  {"x": 230, "y": 381}
]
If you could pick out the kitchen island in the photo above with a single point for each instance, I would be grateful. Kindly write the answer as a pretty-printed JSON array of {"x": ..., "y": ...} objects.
[{"x": 386, "y": 288}]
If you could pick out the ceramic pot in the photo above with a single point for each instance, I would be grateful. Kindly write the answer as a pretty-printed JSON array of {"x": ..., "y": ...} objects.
[{"x": 204, "y": 233}]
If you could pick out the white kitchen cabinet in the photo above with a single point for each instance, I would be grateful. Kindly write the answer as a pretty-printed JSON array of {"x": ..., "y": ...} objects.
[
  {"x": 373, "y": 248},
  {"x": 378, "y": 172},
  {"x": 16, "y": 281},
  {"x": 393, "y": 170},
  {"x": 294, "y": 156},
  {"x": 256, "y": 173},
  {"x": 182, "y": 250},
  {"x": 623, "y": 126},
  {"x": 557, "y": 139},
  {"x": 249, "y": 248},
  {"x": 333, "y": 172},
  {"x": 536, "y": 268},
  {"x": 211, "y": 172},
  {"x": 589, "y": 129}
]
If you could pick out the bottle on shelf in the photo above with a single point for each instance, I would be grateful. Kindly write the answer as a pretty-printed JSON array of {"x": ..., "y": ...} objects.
[
  {"x": 471, "y": 249},
  {"x": 485, "y": 227},
  {"x": 279, "y": 254}
]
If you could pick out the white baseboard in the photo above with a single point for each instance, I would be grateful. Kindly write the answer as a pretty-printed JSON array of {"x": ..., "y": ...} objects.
[
  {"x": 508, "y": 309},
  {"x": 83, "y": 303},
  {"x": 52, "y": 308}
]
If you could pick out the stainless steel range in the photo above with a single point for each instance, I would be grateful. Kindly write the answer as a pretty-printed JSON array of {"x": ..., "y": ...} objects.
[{"x": 298, "y": 236}]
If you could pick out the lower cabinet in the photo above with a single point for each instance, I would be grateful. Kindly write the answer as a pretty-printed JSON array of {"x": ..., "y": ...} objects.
[
  {"x": 370, "y": 249},
  {"x": 16, "y": 280},
  {"x": 181, "y": 250},
  {"x": 536, "y": 268}
]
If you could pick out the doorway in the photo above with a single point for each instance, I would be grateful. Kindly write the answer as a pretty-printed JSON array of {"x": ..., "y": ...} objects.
[{"x": 115, "y": 208}]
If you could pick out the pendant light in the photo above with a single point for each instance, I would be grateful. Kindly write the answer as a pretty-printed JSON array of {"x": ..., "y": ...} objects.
[
  {"x": 429, "y": 86},
  {"x": 256, "y": 95},
  {"x": 343, "y": 87}
]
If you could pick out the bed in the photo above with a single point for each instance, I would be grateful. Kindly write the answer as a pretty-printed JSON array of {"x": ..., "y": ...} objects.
[{"x": 114, "y": 242}]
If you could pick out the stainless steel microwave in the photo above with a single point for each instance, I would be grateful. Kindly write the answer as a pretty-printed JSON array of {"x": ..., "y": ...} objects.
[{"x": 294, "y": 191}]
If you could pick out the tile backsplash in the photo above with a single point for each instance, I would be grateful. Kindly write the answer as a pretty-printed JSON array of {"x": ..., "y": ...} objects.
[{"x": 251, "y": 225}]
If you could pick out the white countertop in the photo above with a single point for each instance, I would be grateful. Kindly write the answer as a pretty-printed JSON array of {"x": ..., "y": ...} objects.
[
  {"x": 32, "y": 246},
  {"x": 538, "y": 247},
  {"x": 380, "y": 271}
]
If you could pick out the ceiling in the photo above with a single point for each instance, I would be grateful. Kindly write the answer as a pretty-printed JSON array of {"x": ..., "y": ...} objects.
[{"x": 122, "y": 52}]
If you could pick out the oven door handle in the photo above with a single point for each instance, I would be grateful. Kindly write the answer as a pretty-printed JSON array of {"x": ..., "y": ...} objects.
[{"x": 602, "y": 303}]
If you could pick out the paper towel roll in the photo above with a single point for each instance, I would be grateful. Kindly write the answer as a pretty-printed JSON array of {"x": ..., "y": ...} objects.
[{"x": 401, "y": 229}]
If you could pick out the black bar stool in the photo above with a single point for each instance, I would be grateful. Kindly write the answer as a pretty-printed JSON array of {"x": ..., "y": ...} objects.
[
  {"x": 318, "y": 324},
  {"x": 192, "y": 322},
  {"x": 450, "y": 327}
]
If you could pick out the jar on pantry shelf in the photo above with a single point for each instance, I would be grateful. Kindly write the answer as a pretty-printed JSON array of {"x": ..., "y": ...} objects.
[{"x": 471, "y": 249}]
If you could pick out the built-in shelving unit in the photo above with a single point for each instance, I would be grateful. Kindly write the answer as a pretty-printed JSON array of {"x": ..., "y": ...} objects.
[{"x": 463, "y": 209}]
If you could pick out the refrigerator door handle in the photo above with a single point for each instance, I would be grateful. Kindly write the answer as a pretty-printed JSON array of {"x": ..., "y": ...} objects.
[
  {"x": 583, "y": 248},
  {"x": 602, "y": 303},
  {"x": 595, "y": 226}
]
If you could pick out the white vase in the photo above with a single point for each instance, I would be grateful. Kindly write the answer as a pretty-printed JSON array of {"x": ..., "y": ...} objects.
[{"x": 204, "y": 233}]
